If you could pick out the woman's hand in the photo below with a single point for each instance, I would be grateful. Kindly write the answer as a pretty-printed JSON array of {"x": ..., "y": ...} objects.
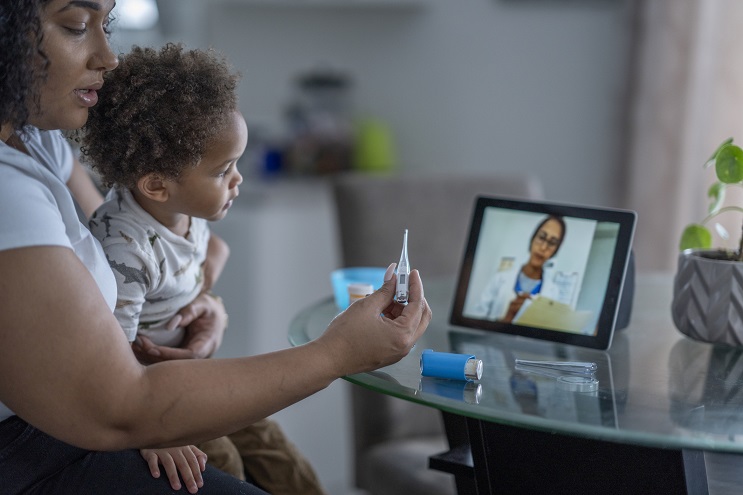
[
  {"x": 205, "y": 320},
  {"x": 376, "y": 331},
  {"x": 189, "y": 461}
]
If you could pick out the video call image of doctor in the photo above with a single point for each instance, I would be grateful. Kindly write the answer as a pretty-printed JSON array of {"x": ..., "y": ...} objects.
[{"x": 511, "y": 286}]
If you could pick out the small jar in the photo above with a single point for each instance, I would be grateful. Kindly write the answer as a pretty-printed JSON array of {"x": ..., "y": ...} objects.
[{"x": 358, "y": 291}]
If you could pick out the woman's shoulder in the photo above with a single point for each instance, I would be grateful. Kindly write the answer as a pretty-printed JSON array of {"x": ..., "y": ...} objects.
[
  {"x": 49, "y": 153},
  {"x": 52, "y": 150},
  {"x": 32, "y": 201}
]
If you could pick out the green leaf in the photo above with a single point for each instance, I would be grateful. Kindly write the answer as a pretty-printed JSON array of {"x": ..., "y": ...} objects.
[
  {"x": 729, "y": 164},
  {"x": 714, "y": 155},
  {"x": 716, "y": 194},
  {"x": 695, "y": 236}
]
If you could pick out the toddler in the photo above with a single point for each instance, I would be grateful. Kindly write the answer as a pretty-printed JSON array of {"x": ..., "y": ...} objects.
[{"x": 166, "y": 137}]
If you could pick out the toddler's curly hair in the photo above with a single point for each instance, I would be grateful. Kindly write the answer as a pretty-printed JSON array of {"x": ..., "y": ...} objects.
[{"x": 157, "y": 113}]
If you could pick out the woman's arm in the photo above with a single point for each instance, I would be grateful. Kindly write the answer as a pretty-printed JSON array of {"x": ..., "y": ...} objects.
[
  {"x": 66, "y": 367},
  {"x": 83, "y": 189}
]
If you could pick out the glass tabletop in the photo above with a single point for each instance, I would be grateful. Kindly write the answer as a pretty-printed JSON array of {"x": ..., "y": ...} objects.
[{"x": 656, "y": 387}]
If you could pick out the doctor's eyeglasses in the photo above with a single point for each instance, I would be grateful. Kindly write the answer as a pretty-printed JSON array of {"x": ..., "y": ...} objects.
[{"x": 543, "y": 238}]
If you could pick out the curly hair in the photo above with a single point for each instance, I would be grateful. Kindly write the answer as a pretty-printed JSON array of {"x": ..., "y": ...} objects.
[
  {"x": 20, "y": 32},
  {"x": 157, "y": 113}
]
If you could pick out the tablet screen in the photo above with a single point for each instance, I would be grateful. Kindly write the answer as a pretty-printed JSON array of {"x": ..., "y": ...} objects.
[{"x": 544, "y": 270}]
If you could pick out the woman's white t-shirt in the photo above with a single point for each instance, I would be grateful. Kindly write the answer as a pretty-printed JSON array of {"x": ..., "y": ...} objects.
[{"x": 36, "y": 208}]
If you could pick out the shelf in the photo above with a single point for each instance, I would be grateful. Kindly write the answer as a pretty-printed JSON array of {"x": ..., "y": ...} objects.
[
  {"x": 351, "y": 4},
  {"x": 457, "y": 461}
]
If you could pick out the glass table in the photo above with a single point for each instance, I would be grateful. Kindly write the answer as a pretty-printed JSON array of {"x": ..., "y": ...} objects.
[{"x": 662, "y": 401}]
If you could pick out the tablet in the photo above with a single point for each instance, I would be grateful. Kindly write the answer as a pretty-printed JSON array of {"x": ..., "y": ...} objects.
[{"x": 547, "y": 271}]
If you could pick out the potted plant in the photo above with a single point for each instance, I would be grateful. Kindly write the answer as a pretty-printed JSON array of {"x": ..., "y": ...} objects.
[{"x": 708, "y": 286}]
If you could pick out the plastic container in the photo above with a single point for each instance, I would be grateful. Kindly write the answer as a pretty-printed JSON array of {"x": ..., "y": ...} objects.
[
  {"x": 357, "y": 290},
  {"x": 342, "y": 277}
]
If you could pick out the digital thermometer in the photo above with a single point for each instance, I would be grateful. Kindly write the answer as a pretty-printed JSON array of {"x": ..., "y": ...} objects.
[{"x": 403, "y": 273}]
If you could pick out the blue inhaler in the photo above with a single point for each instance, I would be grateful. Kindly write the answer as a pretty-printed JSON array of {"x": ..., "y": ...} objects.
[{"x": 449, "y": 365}]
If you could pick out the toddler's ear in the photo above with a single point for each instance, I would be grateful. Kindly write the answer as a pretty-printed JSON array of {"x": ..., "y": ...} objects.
[{"x": 153, "y": 187}]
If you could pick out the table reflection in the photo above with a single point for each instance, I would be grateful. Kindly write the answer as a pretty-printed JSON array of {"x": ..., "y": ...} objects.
[
  {"x": 505, "y": 386},
  {"x": 706, "y": 388},
  {"x": 469, "y": 392}
]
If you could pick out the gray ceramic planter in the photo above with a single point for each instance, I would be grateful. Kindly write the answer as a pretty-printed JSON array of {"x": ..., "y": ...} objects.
[{"x": 708, "y": 298}]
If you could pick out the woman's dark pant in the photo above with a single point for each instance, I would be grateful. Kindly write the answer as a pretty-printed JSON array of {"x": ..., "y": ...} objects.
[{"x": 32, "y": 462}]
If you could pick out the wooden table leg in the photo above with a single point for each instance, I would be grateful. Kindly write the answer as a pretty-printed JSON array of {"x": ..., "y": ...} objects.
[
  {"x": 458, "y": 459},
  {"x": 488, "y": 458},
  {"x": 512, "y": 460}
]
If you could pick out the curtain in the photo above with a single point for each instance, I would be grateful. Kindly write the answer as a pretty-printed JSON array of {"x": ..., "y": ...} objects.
[{"x": 686, "y": 97}]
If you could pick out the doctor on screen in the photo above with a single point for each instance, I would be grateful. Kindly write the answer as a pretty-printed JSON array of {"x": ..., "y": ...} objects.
[{"x": 517, "y": 280}]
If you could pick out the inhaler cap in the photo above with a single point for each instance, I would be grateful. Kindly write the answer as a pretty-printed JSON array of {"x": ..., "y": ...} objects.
[{"x": 473, "y": 369}]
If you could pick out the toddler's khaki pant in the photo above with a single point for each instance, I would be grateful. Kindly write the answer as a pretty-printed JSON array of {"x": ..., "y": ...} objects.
[{"x": 268, "y": 456}]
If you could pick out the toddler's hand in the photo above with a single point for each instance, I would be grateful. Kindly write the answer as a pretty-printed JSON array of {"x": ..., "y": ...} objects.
[{"x": 187, "y": 460}]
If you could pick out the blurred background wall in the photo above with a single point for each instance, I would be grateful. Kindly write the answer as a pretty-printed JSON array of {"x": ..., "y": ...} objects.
[
  {"x": 464, "y": 86},
  {"x": 608, "y": 102}
]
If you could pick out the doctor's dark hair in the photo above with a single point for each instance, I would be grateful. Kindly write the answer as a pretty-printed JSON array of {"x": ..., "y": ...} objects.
[
  {"x": 157, "y": 113},
  {"x": 557, "y": 218}
]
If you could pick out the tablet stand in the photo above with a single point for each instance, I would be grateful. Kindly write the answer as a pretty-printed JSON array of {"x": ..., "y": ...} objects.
[{"x": 628, "y": 292}]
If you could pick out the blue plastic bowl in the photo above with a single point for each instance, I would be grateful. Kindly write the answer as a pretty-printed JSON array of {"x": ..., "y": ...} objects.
[{"x": 341, "y": 277}]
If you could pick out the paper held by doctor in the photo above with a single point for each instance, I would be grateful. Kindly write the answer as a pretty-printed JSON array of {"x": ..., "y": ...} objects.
[{"x": 543, "y": 312}]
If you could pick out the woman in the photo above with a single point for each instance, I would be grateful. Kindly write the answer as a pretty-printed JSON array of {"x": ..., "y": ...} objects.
[
  {"x": 74, "y": 401},
  {"x": 507, "y": 291}
]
